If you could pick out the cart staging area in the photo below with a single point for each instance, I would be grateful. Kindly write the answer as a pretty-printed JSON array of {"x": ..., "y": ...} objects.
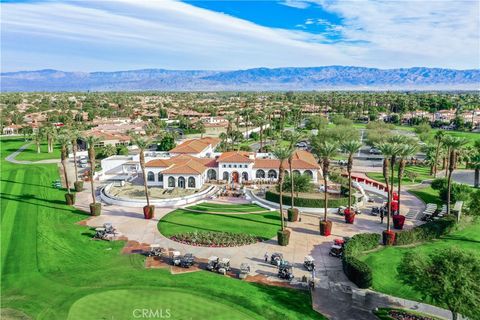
[{"x": 52, "y": 269}]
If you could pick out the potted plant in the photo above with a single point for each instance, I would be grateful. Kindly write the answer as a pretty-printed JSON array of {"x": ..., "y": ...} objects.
[
  {"x": 349, "y": 215},
  {"x": 282, "y": 154},
  {"x": 292, "y": 214},
  {"x": 398, "y": 221}
]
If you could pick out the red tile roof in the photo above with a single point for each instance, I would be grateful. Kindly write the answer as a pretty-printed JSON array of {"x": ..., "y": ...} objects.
[
  {"x": 236, "y": 156},
  {"x": 195, "y": 145}
]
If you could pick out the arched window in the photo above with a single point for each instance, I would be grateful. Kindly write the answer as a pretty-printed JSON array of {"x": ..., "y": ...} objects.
[
  {"x": 296, "y": 172},
  {"x": 181, "y": 182},
  {"x": 244, "y": 176},
  {"x": 160, "y": 177},
  {"x": 211, "y": 174},
  {"x": 260, "y": 174},
  {"x": 272, "y": 174},
  {"x": 309, "y": 173},
  {"x": 171, "y": 182},
  {"x": 191, "y": 182},
  {"x": 150, "y": 176},
  {"x": 225, "y": 176}
]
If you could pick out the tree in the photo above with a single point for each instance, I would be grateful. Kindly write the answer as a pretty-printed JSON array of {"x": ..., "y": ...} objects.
[
  {"x": 294, "y": 139},
  {"x": 91, "y": 142},
  {"x": 64, "y": 141},
  {"x": 474, "y": 204},
  {"x": 439, "y": 136},
  {"x": 301, "y": 182},
  {"x": 50, "y": 132},
  {"x": 142, "y": 143},
  {"x": 350, "y": 147},
  {"x": 325, "y": 151},
  {"x": 450, "y": 277},
  {"x": 282, "y": 154},
  {"x": 453, "y": 144},
  {"x": 37, "y": 138},
  {"x": 475, "y": 164},
  {"x": 407, "y": 150}
]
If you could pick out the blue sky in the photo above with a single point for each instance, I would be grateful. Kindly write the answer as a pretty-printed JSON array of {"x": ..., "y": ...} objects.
[{"x": 111, "y": 35}]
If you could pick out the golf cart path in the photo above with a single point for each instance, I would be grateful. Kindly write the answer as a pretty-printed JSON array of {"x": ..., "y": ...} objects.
[{"x": 13, "y": 155}]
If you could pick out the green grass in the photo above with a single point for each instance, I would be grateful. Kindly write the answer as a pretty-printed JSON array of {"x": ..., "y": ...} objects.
[
  {"x": 423, "y": 173},
  {"x": 30, "y": 153},
  {"x": 52, "y": 269},
  {"x": 227, "y": 208},
  {"x": 428, "y": 195},
  {"x": 264, "y": 225},
  {"x": 470, "y": 136},
  {"x": 384, "y": 263}
]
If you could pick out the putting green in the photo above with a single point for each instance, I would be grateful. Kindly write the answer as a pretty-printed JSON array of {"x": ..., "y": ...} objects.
[{"x": 158, "y": 304}]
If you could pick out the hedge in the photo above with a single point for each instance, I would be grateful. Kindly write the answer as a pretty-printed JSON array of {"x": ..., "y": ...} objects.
[
  {"x": 306, "y": 202},
  {"x": 358, "y": 271},
  {"x": 428, "y": 231}
]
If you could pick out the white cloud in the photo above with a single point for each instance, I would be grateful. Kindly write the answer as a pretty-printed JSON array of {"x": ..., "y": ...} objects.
[
  {"x": 126, "y": 34},
  {"x": 296, "y": 4}
]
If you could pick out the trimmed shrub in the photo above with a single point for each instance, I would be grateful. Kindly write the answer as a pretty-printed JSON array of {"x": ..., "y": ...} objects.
[
  {"x": 292, "y": 214},
  {"x": 95, "y": 209},
  {"x": 306, "y": 202},
  {"x": 428, "y": 231},
  {"x": 439, "y": 183},
  {"x": 215, "y": 239},
  {"x": 283, "y": 237},
  {"x": 78, "y": 186},
  {"x": 358, "y": 271}
]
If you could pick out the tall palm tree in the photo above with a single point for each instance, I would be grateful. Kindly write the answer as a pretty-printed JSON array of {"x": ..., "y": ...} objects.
[
  {"x": 282, "y": 154},
  {"x": 389, "y": 151},
  {"x": 37, "y": 138},
  {"x": 74, "y": 135},
  {"x": 91, "y": 142},
  {"x": 453, "y": 144},
  {"x": 50, "y": 132},
  {"x": 325, "y": 151},
  {"x": 143, "y": 143},
  {"x": 475, "y": 164},
  {"x": 406, "y": 151},
  {"x": 439, "y": 135},
  {"x": 350, "y": 147},
  {"x": 294, "y": 139},
  {"x": 64, "y": 141}
]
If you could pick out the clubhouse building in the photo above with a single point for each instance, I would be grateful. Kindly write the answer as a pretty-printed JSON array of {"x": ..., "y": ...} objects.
[{"x": 193, "y": 163}]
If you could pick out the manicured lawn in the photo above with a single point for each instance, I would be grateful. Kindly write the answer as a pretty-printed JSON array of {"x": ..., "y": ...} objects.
[
  {"x": 384, "y": 263},
  {"x": 470, "y": 136},
  {"x": 428, "y": 195},
  {"x": 227, "y": 208},
  {"x": 423, "y": 173},
  {"x": 52, "y": 269},
  {"x": 263, "y": 224},
  {"x": 30, "y": 153}
]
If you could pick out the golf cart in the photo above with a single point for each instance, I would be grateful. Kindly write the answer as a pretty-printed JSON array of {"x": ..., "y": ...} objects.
[
  {"x": 176, "y": 258},
  {"x": 285, "y": 271},
  {"x": 187, "y": 260},
  {"x": 218, "y": 265},
  {"x": 276, "y": 259},
  {"x": 337, "y": 248},
  {"x": 155, "y": 251},
  {"x": 309, "y": 263},
  {"x": 244, "y": 271},
  {"x": 107, "y": 232},
  {"x": 212, "y": 263}
]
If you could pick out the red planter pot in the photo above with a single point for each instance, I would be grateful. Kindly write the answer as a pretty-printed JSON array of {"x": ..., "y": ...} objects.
[
  {"x": 398, "y": 221},
  {"x": 349, "y": 216},
  {"x": 148, "y": 212},
  {"x": 394, "y": 206},
  {"x": 325, "y": 228},
  {"x": 388, "y": 238}
]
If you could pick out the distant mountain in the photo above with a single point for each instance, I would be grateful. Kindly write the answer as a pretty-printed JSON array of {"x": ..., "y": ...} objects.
[{"x": 260, "y": 79}]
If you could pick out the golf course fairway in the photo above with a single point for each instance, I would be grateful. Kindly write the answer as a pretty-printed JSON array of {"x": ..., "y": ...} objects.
[{"x": 162, "y": 303}]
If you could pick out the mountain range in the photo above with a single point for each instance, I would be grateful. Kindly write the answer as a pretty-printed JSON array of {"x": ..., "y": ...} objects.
[{"x": 259, "y": 79}]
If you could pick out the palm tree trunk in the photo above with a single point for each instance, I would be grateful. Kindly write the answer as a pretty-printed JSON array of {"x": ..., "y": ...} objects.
[
  {"x": 142, "y": 165},
  {"x": 476, "y": 178},
  {"x": 437, "y": 151},
  {"x": 38, "y": 146},
  {"x": 64, "y": 165},
  {"x": 325, "y": 198},
  {"x": 280, "y": 189},
  {"x": 292, "y": 204},
  {"x": 92, "y": 167},
  {"x": 74, "y": 149},
  {"x": 389, "y": 199},
  {"x": 401, "y": 172},
  {"x": 349, "y": 170}
]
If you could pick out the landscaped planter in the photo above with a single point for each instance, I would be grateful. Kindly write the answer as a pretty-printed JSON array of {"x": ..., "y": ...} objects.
[
  {"x": 70, "y": 198},
  {"x": 292, "y": 215},
  {"x": 388, "y": 238},
  {"x": 78, "y": 186},
  {"x": 283, "y": 237},
  {"x": 398, "y": 221},
  {"x": 148, "y": 212},
  {"x": 349, "y": 216},
  {"x": 325, "y": 227},
  {"x": 95, "y": 209}
]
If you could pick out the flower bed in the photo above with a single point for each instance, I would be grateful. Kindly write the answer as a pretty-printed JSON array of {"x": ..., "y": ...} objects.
[
  {"x": 215, "y": 239},
  {"x": 400, "y": 314}
]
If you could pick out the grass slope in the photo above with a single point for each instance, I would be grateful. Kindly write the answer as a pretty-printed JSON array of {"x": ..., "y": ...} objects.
[
  {"x": 30, "y": 153},
  {"x": 48, "y": 262},
  {"x": 428, "y": 195},
  {"x": 263, "y": 225},
  {"x": 384, "y": 263},
  {"x": 423, "y": 173}
]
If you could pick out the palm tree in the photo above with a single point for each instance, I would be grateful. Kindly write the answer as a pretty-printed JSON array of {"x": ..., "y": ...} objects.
[
  {"x": 325, "y": 151},
  {"x": 389, "y": 151},
  {"x": 407, "y": 150},
  {"x": 74, "y": 135},
  {"x": 64, "y": 141},
  {"x": 37, "y": 138},
  {"x": 95, "y": 208},
  {"x": 439, "y": 135},
  {"x": 282, "y": 154},
  {"x": 453, "y": 144},
  {"x": 50, "y": 133},
  {"x": 475, "y": 164},
  {"x": 143, "y": 143},
  {"x": 294, "y": 139},
  {"x": 350, "y": 147}
]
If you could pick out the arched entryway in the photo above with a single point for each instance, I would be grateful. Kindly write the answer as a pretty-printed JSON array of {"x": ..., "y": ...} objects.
[
  {"x": 211, "y": 174},
  {"x": 244, "y": 176},
  {"x": 235, "y": 176}
]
